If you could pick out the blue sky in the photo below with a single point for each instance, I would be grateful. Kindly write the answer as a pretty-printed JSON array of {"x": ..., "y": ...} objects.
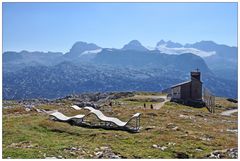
[{"x": 56, "y": 26}]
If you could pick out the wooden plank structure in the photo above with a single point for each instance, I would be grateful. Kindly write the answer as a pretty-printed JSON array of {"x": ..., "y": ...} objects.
[
  {"x": 105, "y": 121},
  {"x": 209, "y": 100}
]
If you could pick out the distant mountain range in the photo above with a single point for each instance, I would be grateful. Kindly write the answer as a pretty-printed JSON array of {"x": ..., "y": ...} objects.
[{"x": 90, "y": 68}]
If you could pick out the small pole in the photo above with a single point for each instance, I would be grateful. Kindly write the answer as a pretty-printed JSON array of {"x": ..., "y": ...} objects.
[
  {"x": 139, "y": 122},
  {"x": 136, "y": 124}
]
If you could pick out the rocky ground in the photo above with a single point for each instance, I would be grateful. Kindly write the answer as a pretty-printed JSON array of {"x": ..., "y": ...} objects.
[{"x": 167, "y": 131}]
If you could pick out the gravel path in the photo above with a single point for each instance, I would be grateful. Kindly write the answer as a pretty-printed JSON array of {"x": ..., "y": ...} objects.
[
  {"x": 159, "y": 105},
  {"x": 156, "y": 105},
  {"x": 229, "y": 112}
]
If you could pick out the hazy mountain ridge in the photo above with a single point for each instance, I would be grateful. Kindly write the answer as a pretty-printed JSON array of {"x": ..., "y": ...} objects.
[
  {"x": 88, "y": 68},
  {"x": 221, "y": 59}
]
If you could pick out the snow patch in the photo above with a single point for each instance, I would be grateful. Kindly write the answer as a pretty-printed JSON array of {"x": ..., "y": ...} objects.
[
  {"x": 177, "y": 51},
  {"x": 87, "y": 52},
  {"x": 150, "y": 48}
]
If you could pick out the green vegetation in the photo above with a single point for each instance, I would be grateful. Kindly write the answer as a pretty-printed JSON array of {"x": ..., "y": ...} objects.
[{"x": 181, "y": 129}]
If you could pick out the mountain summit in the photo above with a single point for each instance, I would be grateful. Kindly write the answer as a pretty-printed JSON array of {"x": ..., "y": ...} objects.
[
  {"x": 134, "y": 45},
  {"x": 169, "y": 44},
  {"x": 79, "y": 47}
]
